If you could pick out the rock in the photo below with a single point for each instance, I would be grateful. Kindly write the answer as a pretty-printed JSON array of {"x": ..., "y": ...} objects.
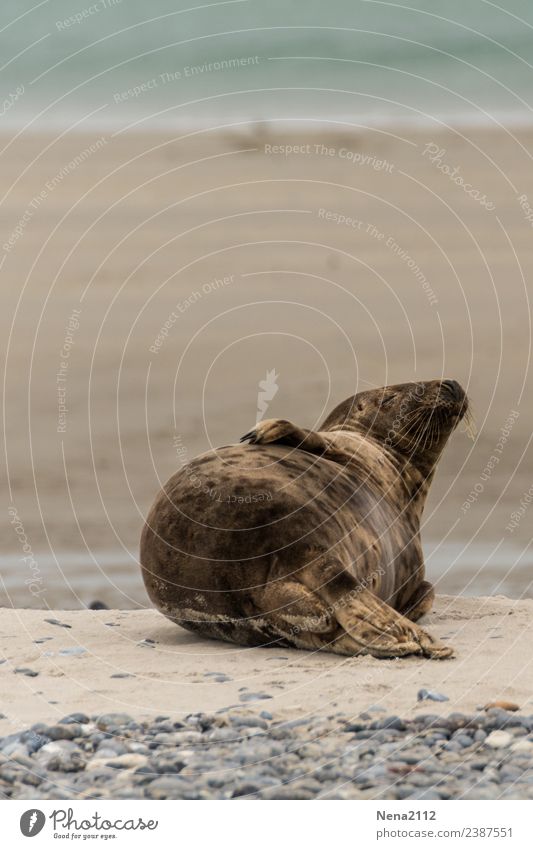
[
  {"x": 112, "y": 720},
  {"x": 98, "y": 763},
  {"x": 248, "y": 722},
  {"x": 219, "y": 677},
  {"x": 289, "y": 792},
  {"x": 498, "y": 739},
  {"x": 246, "y": 789},
  {"x": 167, "y": 788},
  {"x": 510, "y": 706},
  {"x": 510, "y": 773},
  {"x": 112, "y": 744},
  {"x": 127, "y": 761},
  {"x": 522, "y": 747},
  {"x": 23, "y": 670},
  {"x": 223, "y": 735},
  {"x": 62, "y": 756},
  {"x": 68, "y": 731},
  {"x": 58, "y": 623},
  {"x": 73, "y": 650},
  {"x": 390, "y": 722},
  {"x": 253, "y": 697},
  {"x": 98, "y": 605},
  {"x": 432, "y": 695},
  {"x": 80, "y": 718}
]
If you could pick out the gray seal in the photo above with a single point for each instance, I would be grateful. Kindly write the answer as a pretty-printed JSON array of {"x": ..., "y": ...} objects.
[{"x": 308, "y": 539}]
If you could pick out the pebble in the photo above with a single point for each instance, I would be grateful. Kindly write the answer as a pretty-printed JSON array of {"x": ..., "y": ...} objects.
[
  {"x": 74, "y": 650},
  {"x": 218, "y": 677},
  {"x": 108, "y": 720},
  {"x": 523, "y": 747},
  {"x": 30, "y": 673},
  {"x": 79, "y": 718},
  {"x": 499, "y": 739},
  {"x": 69, "y": 731},
  {"x": 432, "y": 695},
  {"x": 511, "y": 706},
  {"x": 253, "y": 697},
  {"x": 58, "y": 623},
  {"x": 248, "y": 722},
  {"x": 61, "y": 756}
]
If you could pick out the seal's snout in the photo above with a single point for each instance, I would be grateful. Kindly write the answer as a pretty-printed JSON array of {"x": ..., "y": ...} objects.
[
  {"x": 453, "y": 390},
  {"x": 454, "y": 398}
]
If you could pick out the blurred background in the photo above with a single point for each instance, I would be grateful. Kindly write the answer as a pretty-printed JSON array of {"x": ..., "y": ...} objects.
[{"x": 197, "y": 195}]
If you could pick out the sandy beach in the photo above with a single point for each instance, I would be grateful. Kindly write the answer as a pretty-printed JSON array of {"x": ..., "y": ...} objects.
[
  {"x": 151, "y": 281},
  {"x": 150, "y": 284},
  {"x": 136, "y": 661}
]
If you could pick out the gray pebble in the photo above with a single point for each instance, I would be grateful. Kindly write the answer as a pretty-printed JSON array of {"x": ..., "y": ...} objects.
[
  {"x": 110, "y": 720},
  {"x": 432, "y": 695},
  {"x": 248, "y": 722},
  {"x": 253, "y": 697},
  {"x": 166, "y": 788},
  {"x": 80, "y": 718},
  {"x": 73, "y": 650}
]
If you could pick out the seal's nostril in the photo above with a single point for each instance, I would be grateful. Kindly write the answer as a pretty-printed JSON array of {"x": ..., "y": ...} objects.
[{"x": 453, "y": 388}]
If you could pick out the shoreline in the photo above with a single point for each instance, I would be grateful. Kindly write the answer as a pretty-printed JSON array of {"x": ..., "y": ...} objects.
[{"x": 144, "y": 125}]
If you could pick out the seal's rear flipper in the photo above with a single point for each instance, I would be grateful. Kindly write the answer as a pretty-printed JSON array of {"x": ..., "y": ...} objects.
[
  {"x": 369, "y": 623},
  {"x": 379, "y": 630}
]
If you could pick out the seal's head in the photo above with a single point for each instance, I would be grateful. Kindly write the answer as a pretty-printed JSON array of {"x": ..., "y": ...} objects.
[{"x": 413, "y": 420}]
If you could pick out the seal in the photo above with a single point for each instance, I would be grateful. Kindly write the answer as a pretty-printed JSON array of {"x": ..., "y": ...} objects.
[{"x": 308, "y": 539}]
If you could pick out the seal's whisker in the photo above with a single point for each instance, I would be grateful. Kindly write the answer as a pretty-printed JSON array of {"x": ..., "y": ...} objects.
[
  {"x": 418, "y": 418},
  {"x": 469, "y": 423}
]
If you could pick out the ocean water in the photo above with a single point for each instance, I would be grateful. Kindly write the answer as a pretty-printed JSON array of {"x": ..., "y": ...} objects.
[{"x": 119, "y": 63}]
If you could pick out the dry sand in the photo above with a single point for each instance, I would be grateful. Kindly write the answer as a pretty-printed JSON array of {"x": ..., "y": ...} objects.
[{"x": 492, "y": 638}]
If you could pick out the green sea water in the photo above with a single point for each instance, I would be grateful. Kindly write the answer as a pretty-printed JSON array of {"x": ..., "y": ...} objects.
[{"x": 164, "y": 63}]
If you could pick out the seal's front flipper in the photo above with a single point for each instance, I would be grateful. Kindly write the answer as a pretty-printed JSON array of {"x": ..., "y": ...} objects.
[{"x": 285, "y": 433}]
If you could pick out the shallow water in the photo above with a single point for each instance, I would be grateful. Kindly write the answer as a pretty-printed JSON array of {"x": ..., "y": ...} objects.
[{"x": 73, "y": 579}]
